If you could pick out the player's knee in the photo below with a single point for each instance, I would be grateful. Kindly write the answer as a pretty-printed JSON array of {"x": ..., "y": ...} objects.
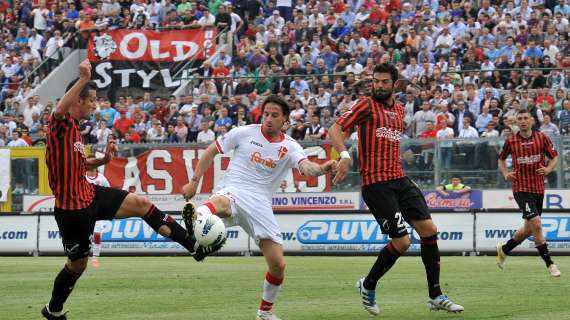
[
  {"x": 278, "y": 268},
  {"x": 77, "y": 266},
  {"x": 535, "y": 224},
  {"x": 142, "y": 205},
  {"x": 402, "y": 243},
  {"x": 221, "y": 204}
]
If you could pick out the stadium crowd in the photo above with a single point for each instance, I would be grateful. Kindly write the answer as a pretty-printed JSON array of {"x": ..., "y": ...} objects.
[{"x": 318, "y": 54}]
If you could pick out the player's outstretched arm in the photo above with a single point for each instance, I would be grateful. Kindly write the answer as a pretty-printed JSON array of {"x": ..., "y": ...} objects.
[
  {"x": 312, "y": 169},
  {"x": 71, "y": 97},
  {"x": 337, "y": 139},
  {"x": 189, "y": 189}
]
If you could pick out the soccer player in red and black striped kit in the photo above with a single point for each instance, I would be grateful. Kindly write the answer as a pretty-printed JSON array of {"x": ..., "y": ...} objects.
[
  {"x": 391, "y": 196},
  {"x": 79, "y": 204},
  {"x": 528, "y": 149}
]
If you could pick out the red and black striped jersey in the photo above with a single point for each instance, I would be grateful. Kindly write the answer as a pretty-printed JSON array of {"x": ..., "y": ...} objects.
[
  {"x": 65, "y": 159},
  {"x": 380, "y": 128},
  {"x": 528, "y": 155}
]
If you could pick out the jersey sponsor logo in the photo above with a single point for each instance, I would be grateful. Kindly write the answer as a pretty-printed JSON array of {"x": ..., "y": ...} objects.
[
  {"x": 532, "y": 159},
  {"x": 255, "y": 143},
  {"x": 268, "y": 163},
  {"x": 79, "y": 147},
  {"x": 388, "y": 133}
]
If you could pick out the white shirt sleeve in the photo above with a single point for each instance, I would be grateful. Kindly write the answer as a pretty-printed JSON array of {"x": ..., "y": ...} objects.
[
  {"x": 297, "y": 155},
  {"x": 230, "y": 141}
]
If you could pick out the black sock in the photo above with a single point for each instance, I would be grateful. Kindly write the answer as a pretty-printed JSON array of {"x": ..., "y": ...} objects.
[
  {"x": 385, "y": 261},
  {"x": 430, "y": 258},
  {"x": 510, "y": 245},
  {"x": 544, "y": 253},
  {"x": 62, "y": 287},
  {"x": 156, "y": 219}
]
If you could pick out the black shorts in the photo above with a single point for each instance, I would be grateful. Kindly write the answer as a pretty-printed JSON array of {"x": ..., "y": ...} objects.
[
  {"x": 529, "y": 203},
  {"x": 392, "y": 202},
  {"x": 76, "y": 226}
]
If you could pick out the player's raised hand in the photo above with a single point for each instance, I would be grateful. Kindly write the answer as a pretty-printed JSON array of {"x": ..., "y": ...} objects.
[
  {"x": 110, "y": 151},
  {"x": 189, "y": 190},
  {"x": 85, "y": 70},
  {"x": 341, "y": 171}
]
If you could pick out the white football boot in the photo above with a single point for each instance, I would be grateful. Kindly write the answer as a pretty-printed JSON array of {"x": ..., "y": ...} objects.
[{"x": 368, "y": 298}]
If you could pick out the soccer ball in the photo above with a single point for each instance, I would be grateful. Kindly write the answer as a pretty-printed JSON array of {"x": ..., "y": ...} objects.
[{"x": 209, "y": 230}]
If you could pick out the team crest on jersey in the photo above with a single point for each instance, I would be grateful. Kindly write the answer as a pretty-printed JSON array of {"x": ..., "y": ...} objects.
[
  {"x": 282, "y": 152},
  {"x": 79, "y": 147}
]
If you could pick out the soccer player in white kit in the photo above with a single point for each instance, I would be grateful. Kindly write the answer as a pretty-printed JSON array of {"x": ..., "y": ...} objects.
[
  {"x": 94, "y": 177},
  {"x": 262, "y": 156}
]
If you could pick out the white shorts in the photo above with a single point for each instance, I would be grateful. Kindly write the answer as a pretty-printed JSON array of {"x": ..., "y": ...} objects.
[
  {"x": 251, "y": 213},
  {"x": 98, "y": 226}
]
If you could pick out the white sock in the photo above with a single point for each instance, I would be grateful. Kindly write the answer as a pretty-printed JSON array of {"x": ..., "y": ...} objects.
[
  {"x": 271, "y": 288},
  {"x": 96, "y": 250},
  {"x": 206, "y": 209}
]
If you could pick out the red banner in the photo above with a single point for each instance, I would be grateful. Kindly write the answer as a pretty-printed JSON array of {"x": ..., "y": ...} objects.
[
  {"x": 165, "y": 171},
  {"x": 142, "y": 45}
]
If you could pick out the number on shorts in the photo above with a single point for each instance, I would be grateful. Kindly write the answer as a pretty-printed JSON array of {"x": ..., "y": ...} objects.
[
  {"x": 400, "y": 220},
  {"x": 527, "y": 207}
]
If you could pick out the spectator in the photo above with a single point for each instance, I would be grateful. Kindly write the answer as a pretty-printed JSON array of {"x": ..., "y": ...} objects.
[
  {"x": 224, "y": 120},
  {"x": 206, "y": 135},
  {"x": 421, "y": 118},
  {"x": 314, "y": 130},
  {"x": 16, "y": 140},
  {"x": 549, "y": 128},
  {"x": 156, "y": 133},
  {"x": 456, "y": 186}
]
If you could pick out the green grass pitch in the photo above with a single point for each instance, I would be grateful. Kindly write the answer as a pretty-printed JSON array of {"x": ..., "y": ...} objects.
[{"x": 315, "y": 288}]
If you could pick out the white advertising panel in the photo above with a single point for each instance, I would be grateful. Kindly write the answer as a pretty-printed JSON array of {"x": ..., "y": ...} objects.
[
  {"x": 320, "y": 233},
  {"x": 503, "y": 199},
  {"x": 133, "y": 235},
  {"x": 18, "y": 234},
  {"x": 174, "y": 202},
  {"x": 4, "y": 174},
  {"x": 281, "y": 201},
  {"x": 493, "y": 228}
]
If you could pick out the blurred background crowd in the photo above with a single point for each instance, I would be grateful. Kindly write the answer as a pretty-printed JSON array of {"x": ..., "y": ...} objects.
[{"x": 473, "y": 64}]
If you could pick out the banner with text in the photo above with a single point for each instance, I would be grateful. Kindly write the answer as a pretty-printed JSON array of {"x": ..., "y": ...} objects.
[
  {"x": 4, "y": 174},
  {"x": 18, "y": 234},
  {"x": 493, "y": 228},
  {"x": 451, "y": 201},
  {"x": 147, "y": 59},
  {"x": 503, "y": 199},
  {"x": 311, "y": 233},
  {"x": 133, "y": 235},
  {"x": 165, "y": 171},
  {"x": 176, "y": 202}
]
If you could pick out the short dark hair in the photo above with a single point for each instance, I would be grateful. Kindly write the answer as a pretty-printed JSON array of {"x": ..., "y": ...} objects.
[
  {"x": 278, "y": 101},
  {"x": 387, "y": 68},
  {"x": 85, "y": 91},
  {"x": 456, "y": 176},
  {"x": 524, "y": 111}
]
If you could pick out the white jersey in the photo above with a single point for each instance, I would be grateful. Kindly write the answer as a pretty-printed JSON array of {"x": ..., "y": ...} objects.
[
  {"x": 99, "y": 180},
  {"x": 258, "y": 165}
]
